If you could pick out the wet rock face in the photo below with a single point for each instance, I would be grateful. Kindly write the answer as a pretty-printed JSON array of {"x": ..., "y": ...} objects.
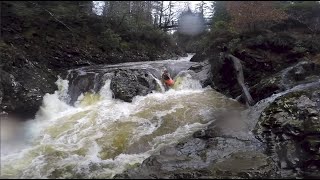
[
  {"x": 212, "y": 153},
  {"x": 197, "y": 158},
  {"x": 126, "y": 84},
  {"x": 290, "y": 127},
  {"x": 220, "y": 81},
  {"x": 23, "y": 82},
  {"x": 202, "y": 72},
  {"x": 83, "y": 82},
  {"x": 21, "y": 90},
  {"x": 300, "y": 73},
  {"x": 198, "y": 57}
]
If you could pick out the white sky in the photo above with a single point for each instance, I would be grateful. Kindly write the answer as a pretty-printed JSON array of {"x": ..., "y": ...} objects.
[
  {"x": 179, "y": 5},
  {"x": 97, "y": 6},
  {"x": 192, "y": 4}
]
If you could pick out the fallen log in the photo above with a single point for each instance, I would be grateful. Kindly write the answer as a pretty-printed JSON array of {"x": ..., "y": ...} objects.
[{"x": 239, "y": 73}]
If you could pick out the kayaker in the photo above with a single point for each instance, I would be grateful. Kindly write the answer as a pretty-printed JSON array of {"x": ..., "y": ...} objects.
[{"x": 167, "y": 79}]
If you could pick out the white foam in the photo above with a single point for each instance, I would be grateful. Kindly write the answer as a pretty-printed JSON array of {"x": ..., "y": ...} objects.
[
  {"x": 54, "y": 104},
  {"x": 90, "y": 122}
]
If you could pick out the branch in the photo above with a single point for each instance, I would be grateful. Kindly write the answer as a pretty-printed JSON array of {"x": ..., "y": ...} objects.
[
  {"x": 52, "y": 15},
  {"x": 165, "y": 9},
  {"x": 240, "y": 78}
]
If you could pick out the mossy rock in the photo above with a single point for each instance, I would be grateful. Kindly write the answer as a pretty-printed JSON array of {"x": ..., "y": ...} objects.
[
  {"x": 290, "y": 126},
  {"x": 266, "y": 87}
]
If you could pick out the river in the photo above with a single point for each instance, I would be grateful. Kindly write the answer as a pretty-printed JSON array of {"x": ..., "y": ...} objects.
[{"x": 98, "y": 136}]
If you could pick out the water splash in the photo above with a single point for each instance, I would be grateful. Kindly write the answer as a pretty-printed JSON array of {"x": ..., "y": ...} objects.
[
  {"x": 100, "y": 136},
  {"x": 185, "y": 81}
]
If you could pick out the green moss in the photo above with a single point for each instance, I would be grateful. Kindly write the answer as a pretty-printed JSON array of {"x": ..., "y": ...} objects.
[{"x": 284, "y": 116}]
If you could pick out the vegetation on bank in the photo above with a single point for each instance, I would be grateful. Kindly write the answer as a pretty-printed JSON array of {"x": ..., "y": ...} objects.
[
  {"x": 63, "y": 33},
  {"x": 267, "y": 41},
  {"x": 237, "y": 21}
]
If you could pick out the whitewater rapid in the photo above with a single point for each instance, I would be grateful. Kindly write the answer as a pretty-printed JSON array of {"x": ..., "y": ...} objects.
[{"x": 101, "y": 136}]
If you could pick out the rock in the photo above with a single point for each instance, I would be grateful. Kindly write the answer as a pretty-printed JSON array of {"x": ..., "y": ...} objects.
[
  {"x": 126, "y": 84},
  {"x": 83, "y": 82},
  {"x": 290, "y": 127},
  {"x": 300, "y": 73},
  {"x": 198, "y": 57},
  {"x": 267, "y": 87},
  {"x": 223, "y": 154},
  {"x": 202, "y": 73},
  {"x": 197, "y": 158},
  {"x": 245, "y": 165},
  {"x": 22, "y": 90},
  {"x": 224, "y": 77}
]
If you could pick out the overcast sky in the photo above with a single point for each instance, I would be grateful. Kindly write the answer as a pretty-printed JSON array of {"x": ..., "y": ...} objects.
[
  {"x": 179, "y": 5},
  {"x": 192, "y": 4}
]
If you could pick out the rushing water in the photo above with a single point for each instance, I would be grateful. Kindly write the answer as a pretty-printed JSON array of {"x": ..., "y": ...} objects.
[{"x": 99, "y": 136}]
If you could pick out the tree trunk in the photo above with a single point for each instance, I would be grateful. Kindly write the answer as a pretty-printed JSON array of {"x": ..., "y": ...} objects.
[
  {"x": 240, "y": 78},
  {"x": 161, "y": 14}
]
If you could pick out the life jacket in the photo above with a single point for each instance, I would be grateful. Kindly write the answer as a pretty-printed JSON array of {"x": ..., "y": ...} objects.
[{"x": 169, "y": 82}]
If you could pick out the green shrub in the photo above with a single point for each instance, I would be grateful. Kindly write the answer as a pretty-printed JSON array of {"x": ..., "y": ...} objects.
[
  {"x": 124, "y": 46},
  {"x": 110, "y": 39},
  {"x": 299, "y": 50},
  {"x": 312, "y": 44},
  {"x": 257, "y": 42},
  {"x": 234, "y": 44},
  {"x": 221, "y": 25},
  {"x": 281, "y": 42}
]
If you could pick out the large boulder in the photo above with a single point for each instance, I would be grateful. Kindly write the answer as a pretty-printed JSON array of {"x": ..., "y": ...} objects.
[
  {"x": 126, "y": 84},
  {"x": 21, "y": 91},
  {"x": 81, "y": 82},
  {"x": 202, "y": 72},
  {"x": 290, "y": 126}
]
